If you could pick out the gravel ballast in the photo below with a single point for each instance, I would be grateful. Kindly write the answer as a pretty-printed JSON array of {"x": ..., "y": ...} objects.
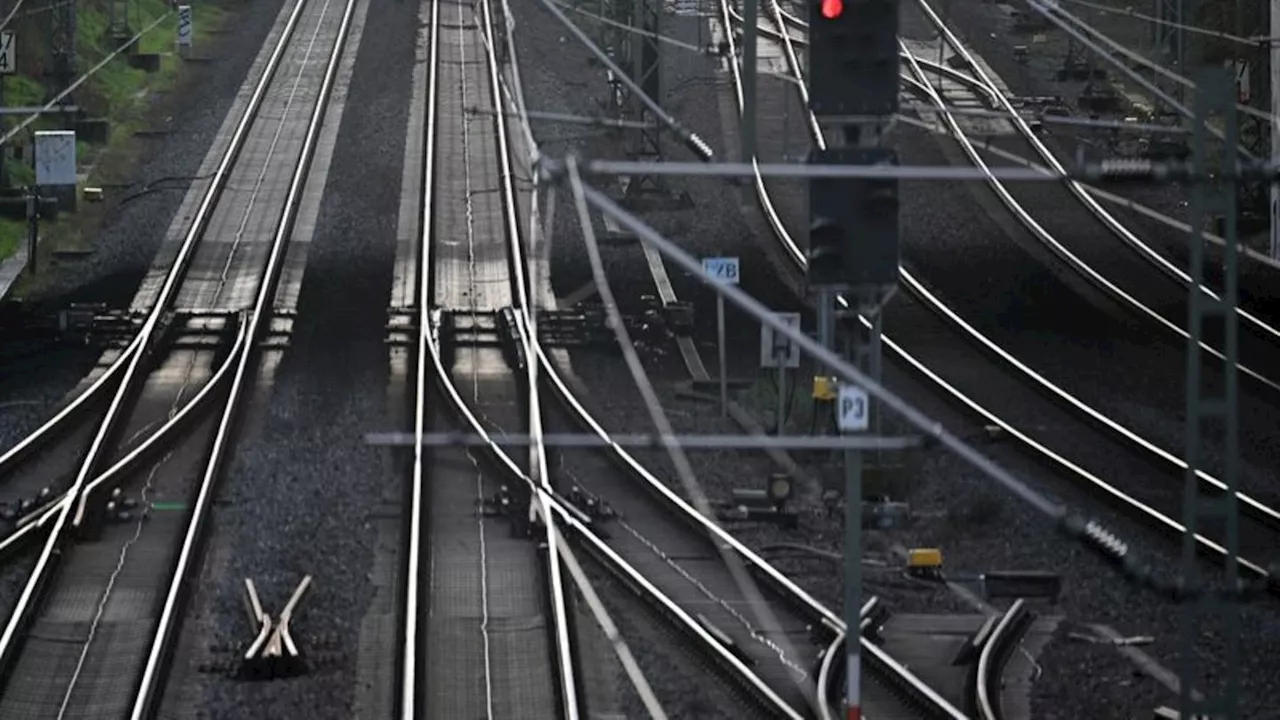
[
  {"x": 984, "y": 529},
  {"x": 301, "y": 495}
]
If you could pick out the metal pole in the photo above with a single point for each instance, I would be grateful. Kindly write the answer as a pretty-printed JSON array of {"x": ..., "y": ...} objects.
[
  {"x": 33, "y": 227},
  {"x": 750, "y": 13},
  {"x": 1274, "y": 188},
  {"x": 724, "y": 372},
  {"x": 1206, "y": 408},
  {"x": 782, "y": 382},
  {"x": 853, "y": 566}
]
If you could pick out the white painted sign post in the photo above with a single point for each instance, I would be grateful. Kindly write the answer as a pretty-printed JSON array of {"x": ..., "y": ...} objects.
[
  {"x": 722, "y": 270},
  {"x": 778, "y": 351},
  {"x": 8, "y": 53},
  {"x": 854, "y": 409},
  {"x": 55, "y": 157},
  {"x": 184, "y": 29}
]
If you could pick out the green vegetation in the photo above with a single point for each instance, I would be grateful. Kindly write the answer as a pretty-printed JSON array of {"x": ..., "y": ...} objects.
[{"x": 118, "y": 92}]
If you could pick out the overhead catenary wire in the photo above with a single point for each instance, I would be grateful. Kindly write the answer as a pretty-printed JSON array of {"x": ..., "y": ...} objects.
[
  {"x": 81, "y": 80},
  {"x": 1078, "y": 29},
  {"x": 691, "y": 140},
  {"x": 1144, "y": 210},
  {"x": 1194, "y": 29},
  {"x": 1117, "y": 170},
  {"x": 1091, "y": 533},
  {"x": 765, "y": 616}
]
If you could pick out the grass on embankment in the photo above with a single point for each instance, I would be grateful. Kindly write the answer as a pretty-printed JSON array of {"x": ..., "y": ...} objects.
[{"x": 122, "y": 94}]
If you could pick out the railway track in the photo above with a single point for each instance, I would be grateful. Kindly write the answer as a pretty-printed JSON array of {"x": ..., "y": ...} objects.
[
  {"x": 1145, "y": 487},
  {"x": 511, "y": 658},
  {"x": 106, "y": 594},
  {"x": 647, "y": 545},
  {"x": 997, "y": 646}
]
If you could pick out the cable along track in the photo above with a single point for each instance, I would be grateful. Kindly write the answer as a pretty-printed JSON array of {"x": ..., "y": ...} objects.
[
  {"x": 1264, "y": 515},
  {"x": 106, "y": 597}
]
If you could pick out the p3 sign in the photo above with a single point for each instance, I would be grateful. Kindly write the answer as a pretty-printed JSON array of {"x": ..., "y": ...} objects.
[{"x": 853, "y": 409}]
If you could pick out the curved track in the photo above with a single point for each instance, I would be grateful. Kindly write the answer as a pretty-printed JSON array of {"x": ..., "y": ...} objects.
[
  {"x": 632, "y": 550},
  {"x": 1151, "y": 503}
]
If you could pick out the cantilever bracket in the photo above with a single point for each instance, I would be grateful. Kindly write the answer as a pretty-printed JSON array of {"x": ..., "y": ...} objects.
[{"x": 273, "y": 653}]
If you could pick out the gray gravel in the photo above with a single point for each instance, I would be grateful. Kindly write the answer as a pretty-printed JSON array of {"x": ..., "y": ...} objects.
[
  {"x": 299, "y": 497},
  {"x": 979, "y": 526},
  {"x": 676, "y": 673}
]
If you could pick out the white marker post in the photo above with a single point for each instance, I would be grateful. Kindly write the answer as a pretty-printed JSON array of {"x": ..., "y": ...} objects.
[
  {"x": 778, "y": 351},
  {"x": 184, "y": 30},
  {"x": 722, "y": 270},
  {"x": 8, "y": 53}
]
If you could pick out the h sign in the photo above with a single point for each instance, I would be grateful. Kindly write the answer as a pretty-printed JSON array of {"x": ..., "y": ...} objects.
[
  {"x": 721, "y": 269},
  {"x": 853, "y": 409}
]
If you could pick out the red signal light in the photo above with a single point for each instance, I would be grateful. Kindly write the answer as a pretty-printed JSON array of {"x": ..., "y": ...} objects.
[{"x": 832, "y": 9}]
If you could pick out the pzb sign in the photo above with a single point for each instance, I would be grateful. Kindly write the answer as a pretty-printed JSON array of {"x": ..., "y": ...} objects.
[{"x": 722, "y": 270}]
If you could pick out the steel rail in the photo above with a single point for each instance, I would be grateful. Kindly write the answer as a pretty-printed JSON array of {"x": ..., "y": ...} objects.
[
  {"x": 11, "y": 638},
  {"x": 932, "y": 66},
  {"x": 1162, "y": 521},
  {"x": 28, "y": 525},
  {"x": 568, "y": 517},
  {"x": 410, "y": 649},
  {"x": 995, "y": 653},
  {"x": 1256, "y": 509},
  {"x": 50, "y": 429},
  {"x": 1079, "y": 191},
  {"x": 1156, "y": 215},
  {"x": 427, "y": 351},
  {"x": 566, "y": 663},
  {"x": 171, "y": 426},
  {"x": 259, "y": 319},
  {"x": 824, "y": 616}
]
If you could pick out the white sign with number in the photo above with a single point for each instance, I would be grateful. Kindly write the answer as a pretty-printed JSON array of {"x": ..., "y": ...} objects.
[
  {"x": 55, "y": 157},
  {"x": 8, "y": 53},
  {"x": 775, "y": 347},
  {"x": 184, "y": 25},
  {"x": 721, "y": 269},
  {"x": 853, "y": 409}
]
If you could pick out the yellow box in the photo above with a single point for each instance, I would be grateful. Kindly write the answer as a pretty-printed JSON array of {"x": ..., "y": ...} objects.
[
  {"x": 920, "y": 558},
  {"x": 824, "y": 388}
]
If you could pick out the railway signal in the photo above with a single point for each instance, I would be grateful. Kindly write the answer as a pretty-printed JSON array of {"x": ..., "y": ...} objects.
[
  {"x": 853, "y": 223},
  {"x": 853, "y": 58},
  {"x": 853, "y": 231}
]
